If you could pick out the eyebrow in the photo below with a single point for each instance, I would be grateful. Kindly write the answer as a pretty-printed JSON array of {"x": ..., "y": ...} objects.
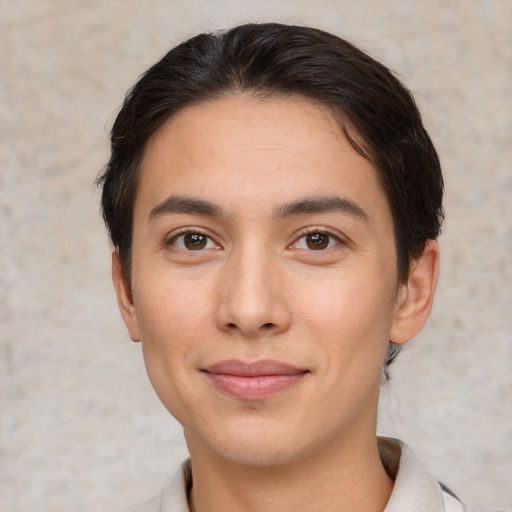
[
  {"x": 187, "y": 205},
  {"x": 316, "y": 204},
  {"x": 330, "y": 204}
]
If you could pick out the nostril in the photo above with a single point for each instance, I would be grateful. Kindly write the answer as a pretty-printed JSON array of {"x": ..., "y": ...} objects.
[
  {"x": 231, "y": 325},
  {"x": 268, "y": 325}
]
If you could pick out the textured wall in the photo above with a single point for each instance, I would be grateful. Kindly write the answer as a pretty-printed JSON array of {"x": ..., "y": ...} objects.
[{"x": 80, "y": 428}]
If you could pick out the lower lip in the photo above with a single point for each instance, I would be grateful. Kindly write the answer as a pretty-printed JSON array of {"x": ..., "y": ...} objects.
[{"x": 255, "y": 387}]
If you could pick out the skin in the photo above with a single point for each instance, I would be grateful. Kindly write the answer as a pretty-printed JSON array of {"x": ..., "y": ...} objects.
[{"x": 259, "y": 289}]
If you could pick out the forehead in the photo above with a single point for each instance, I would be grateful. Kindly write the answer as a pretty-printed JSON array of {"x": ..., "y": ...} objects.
[
  {"x": 243, "y": 121},
  {"x": 254, "y": 150}
]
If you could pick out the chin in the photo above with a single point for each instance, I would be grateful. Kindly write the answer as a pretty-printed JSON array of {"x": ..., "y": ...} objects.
[
  {"x": 257, "y": 453},
  {"x": 250, "y": 443}
]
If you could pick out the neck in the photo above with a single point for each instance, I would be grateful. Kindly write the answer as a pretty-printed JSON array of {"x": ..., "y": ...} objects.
[{"x": 346, "y": 475}]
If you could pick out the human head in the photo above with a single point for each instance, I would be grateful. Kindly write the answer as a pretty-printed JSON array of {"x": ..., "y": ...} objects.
[{"x": 374, "y": 110}]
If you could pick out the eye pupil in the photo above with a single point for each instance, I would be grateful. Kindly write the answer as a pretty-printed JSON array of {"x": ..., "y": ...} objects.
[
  {"x": 194, "y": 241},
  {"x": 317, "y": 241}
]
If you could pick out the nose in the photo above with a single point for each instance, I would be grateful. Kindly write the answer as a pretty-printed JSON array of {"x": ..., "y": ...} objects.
[{"x": 252, "y": 296}]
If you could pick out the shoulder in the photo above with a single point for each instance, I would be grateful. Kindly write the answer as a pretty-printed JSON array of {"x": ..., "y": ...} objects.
[
  {"x": 152, "y": 505},
  {"x": 415, "y": 490},
  {"x": 174, "y": 497},
  {"x": 452, "y": 504},
  {"x": 483, "y": 508}
]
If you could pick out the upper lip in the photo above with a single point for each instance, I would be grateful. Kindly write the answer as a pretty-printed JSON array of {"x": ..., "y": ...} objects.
[{"x": 253, "y": 368}]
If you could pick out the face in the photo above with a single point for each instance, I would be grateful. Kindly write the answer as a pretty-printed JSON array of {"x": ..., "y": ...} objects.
[{"x": 264, "y": 279}]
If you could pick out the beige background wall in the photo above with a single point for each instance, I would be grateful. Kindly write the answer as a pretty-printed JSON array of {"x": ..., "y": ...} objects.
[{"x": 80, "y": 428}]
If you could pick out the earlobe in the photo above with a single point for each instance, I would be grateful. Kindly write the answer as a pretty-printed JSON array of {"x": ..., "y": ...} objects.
[
  {"x": 416, "y": 296},
  {"x": 125, "y": 298}
]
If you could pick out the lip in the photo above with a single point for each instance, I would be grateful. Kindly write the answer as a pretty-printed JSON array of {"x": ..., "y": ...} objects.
[{"x": 253, "y": 380}]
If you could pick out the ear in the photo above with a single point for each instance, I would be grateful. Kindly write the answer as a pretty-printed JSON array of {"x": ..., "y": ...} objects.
[
  {"x": 125, "y": 298},
  {"x": 415, "y": 297}
]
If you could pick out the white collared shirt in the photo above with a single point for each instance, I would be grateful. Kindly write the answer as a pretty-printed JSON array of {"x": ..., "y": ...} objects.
[{"x": 414, "y": 490}]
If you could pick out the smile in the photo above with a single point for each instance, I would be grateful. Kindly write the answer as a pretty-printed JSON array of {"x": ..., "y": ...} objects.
[{"x": 253, "y": 381}]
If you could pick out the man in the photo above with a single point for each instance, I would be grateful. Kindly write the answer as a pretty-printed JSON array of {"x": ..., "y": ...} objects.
[{"x": 273, "y": 201}]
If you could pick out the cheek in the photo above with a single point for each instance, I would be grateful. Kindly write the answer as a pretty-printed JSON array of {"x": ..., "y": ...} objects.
[
  {"x": 171, "y": 307},
  {"x": 345, "y": 299},
  {"x": 174, "y": 324},
  {"x": 174, "y": 321},
  {"x": 350, "y": 317}
]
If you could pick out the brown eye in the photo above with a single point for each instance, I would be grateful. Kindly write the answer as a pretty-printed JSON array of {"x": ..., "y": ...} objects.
[
  {"x": 194, "y": 241},
  {"x": 317, "y": 241}
]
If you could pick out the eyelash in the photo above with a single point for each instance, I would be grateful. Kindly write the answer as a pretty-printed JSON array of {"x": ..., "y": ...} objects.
[
  {"x": 318, "y": 231},
  {"x": 303, "y": 236},
  {"x": 183, "y": 233}
]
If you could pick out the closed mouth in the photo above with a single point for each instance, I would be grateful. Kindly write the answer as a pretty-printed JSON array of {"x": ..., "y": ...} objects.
[{"x": 253, "y": 380}]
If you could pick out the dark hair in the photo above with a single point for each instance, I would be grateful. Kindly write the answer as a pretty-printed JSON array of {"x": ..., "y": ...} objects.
[{"x": 375, "y": 111}]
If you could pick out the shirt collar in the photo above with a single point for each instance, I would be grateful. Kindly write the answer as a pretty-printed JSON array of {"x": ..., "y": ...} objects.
[{"x": 414, "y": 490}]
